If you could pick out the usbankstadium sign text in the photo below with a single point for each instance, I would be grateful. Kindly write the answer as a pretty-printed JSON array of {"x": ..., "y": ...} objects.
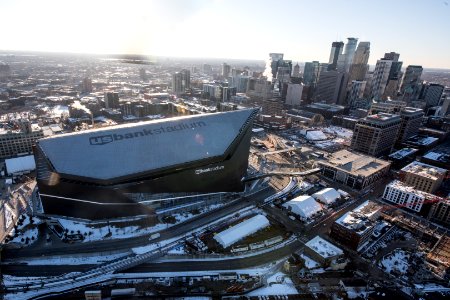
[{"x": 109, "y": 138}]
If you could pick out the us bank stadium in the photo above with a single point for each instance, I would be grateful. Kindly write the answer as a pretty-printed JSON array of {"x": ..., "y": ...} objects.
[{"x": 133, "y": 169}]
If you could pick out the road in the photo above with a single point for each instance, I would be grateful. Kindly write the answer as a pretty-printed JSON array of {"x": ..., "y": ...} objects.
[{"x": 229, "y": 264}]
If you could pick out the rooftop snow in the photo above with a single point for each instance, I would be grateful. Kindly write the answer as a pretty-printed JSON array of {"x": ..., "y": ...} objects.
[
  {"x": 127, "y": 149},
  {"x": 424, "y": 170},
  {"x": 323, "y": 247},
  {"x": 357, "y": 164},
  {"x": 359, "y": 219},
  {"x": 20, "y": 164},
  {"x": 327, "y": 196},
  {"x": 402, "y": 153},
  {"x": 239, "y": 231},
  {"x": 303, "y": 206}
]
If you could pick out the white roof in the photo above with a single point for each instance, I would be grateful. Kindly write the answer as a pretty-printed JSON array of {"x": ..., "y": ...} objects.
[
  {"x": 303, "y": 206},
  {"x": 314, "y": 135},
  {"x": 323, "y": 247},
  {"x": 327, "y": 196},
  {"x": 20, "y": 164},
  {"x": 239, "y": 231},
  {"x": 424, "y": 170}
]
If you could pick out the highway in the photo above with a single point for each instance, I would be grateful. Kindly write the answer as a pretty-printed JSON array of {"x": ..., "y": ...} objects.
[{"x": 179, "y": 266}]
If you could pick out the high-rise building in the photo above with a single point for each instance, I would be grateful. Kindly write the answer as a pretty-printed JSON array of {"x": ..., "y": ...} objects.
[
  {"x": 356, "y": 92},
  {"x": 411, "y": 122},
  {"x": 284, "y": 72},
  {"x": 273, "y": 64},
  {"x": 111, "y": 100},
  {"x": 240, "y": 82},
  {"x": 311, "y": 73},
  {"x": 388, "y": 106},
  {"x": 393, "y": 83},
  {"x": 227, "y": 93},
  {"x": 410, "y": 84},
  {"x": 181, "y": 81},
  {"x": 5, "y": 71},
  {"x": 207, "y": 68},
  {"x": 405, "y": 196},
  {"x": 226, "y": 69},
  {"x": 433, "y": 94},
  {"x": 296, "y": 71},
  {"x": 345, "y": 59},
  {"x": 294, "y": 94},
  {"x": 336, "y": 51},
  {"x": 19, "y": 141},
  {"x": 376, "y": 134},
  {"x": 86, "y": 85},
  {"x": 387, "y": 69},
  {"x": 440, "y": 212},
  {"x": 331, "y": 87},
  {"x": 272, "y": 107},
  {"x": 359, "y": 66},
  {"x": 422, "y": 176}
]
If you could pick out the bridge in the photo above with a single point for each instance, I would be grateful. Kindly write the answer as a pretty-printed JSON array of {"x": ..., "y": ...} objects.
[{"x": 281, "y": 173}]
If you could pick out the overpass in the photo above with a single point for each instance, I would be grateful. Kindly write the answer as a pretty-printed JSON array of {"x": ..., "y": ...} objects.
[{"x": 281, "y": 173}]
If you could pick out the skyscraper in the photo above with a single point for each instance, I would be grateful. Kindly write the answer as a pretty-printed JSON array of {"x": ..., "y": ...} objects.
[
  {"x": 226, "y": 69},
  {"x": 433, "y": 94},
  {"x": 296, "y": 72},
  {"x": 346, "y": 58},
  {"x": 272, "y": 65},
  {"x": 387, "y": 69},
  {"x": 359, "y": 65},
  {"x": 331, "y": 87},
  {"x": 181, "y": 81},
  {"x": 410, "y": 83},
  {"x": 376, "y": 134},
  {"x": 311, "y": 73},
  {"x": 356, "y": 92},
  {"x": 336, "y": 51}
]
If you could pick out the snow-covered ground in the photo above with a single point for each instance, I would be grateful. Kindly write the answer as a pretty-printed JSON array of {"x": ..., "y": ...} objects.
[
  {"x": 339, "y": 131},
  {"x": 397, "y": 260},
  {"x": 101, "y": 233},
  {"x": 352, "y": 294},
  {"x": 182, "y": 217},
  {"x": 98, "y": 233},
  {"x": 177, "y": 250},
  {"x": 277, "y": 284},
  {"x": 26, "y": 230},
  {"x": 30, "y": 234},
  {"x": 310, "y": 263},
  {"x": 74, "y": 260}
]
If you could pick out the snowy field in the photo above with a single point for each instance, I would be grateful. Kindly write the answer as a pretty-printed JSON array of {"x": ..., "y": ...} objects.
[
  {"x": 395, "y": 261},
  {"x": 309, "y": 263},
  {"x": 339, "y": 131},
  {"x": 81, "y": 260},
  {"x": 26, "y": 230},
  {"x": 277, "y": 284},
  {"x": 92, "y": 234}
]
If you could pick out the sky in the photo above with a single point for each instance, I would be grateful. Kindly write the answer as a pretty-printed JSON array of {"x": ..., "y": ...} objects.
[{"x": 239, "y": 29}]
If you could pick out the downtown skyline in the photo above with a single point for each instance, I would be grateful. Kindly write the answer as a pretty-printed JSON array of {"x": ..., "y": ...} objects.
[{"x": 302, "y": 30}]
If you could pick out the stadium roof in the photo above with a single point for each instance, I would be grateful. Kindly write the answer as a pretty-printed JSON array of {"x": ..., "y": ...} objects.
[{"x": 141, "y": 148}]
